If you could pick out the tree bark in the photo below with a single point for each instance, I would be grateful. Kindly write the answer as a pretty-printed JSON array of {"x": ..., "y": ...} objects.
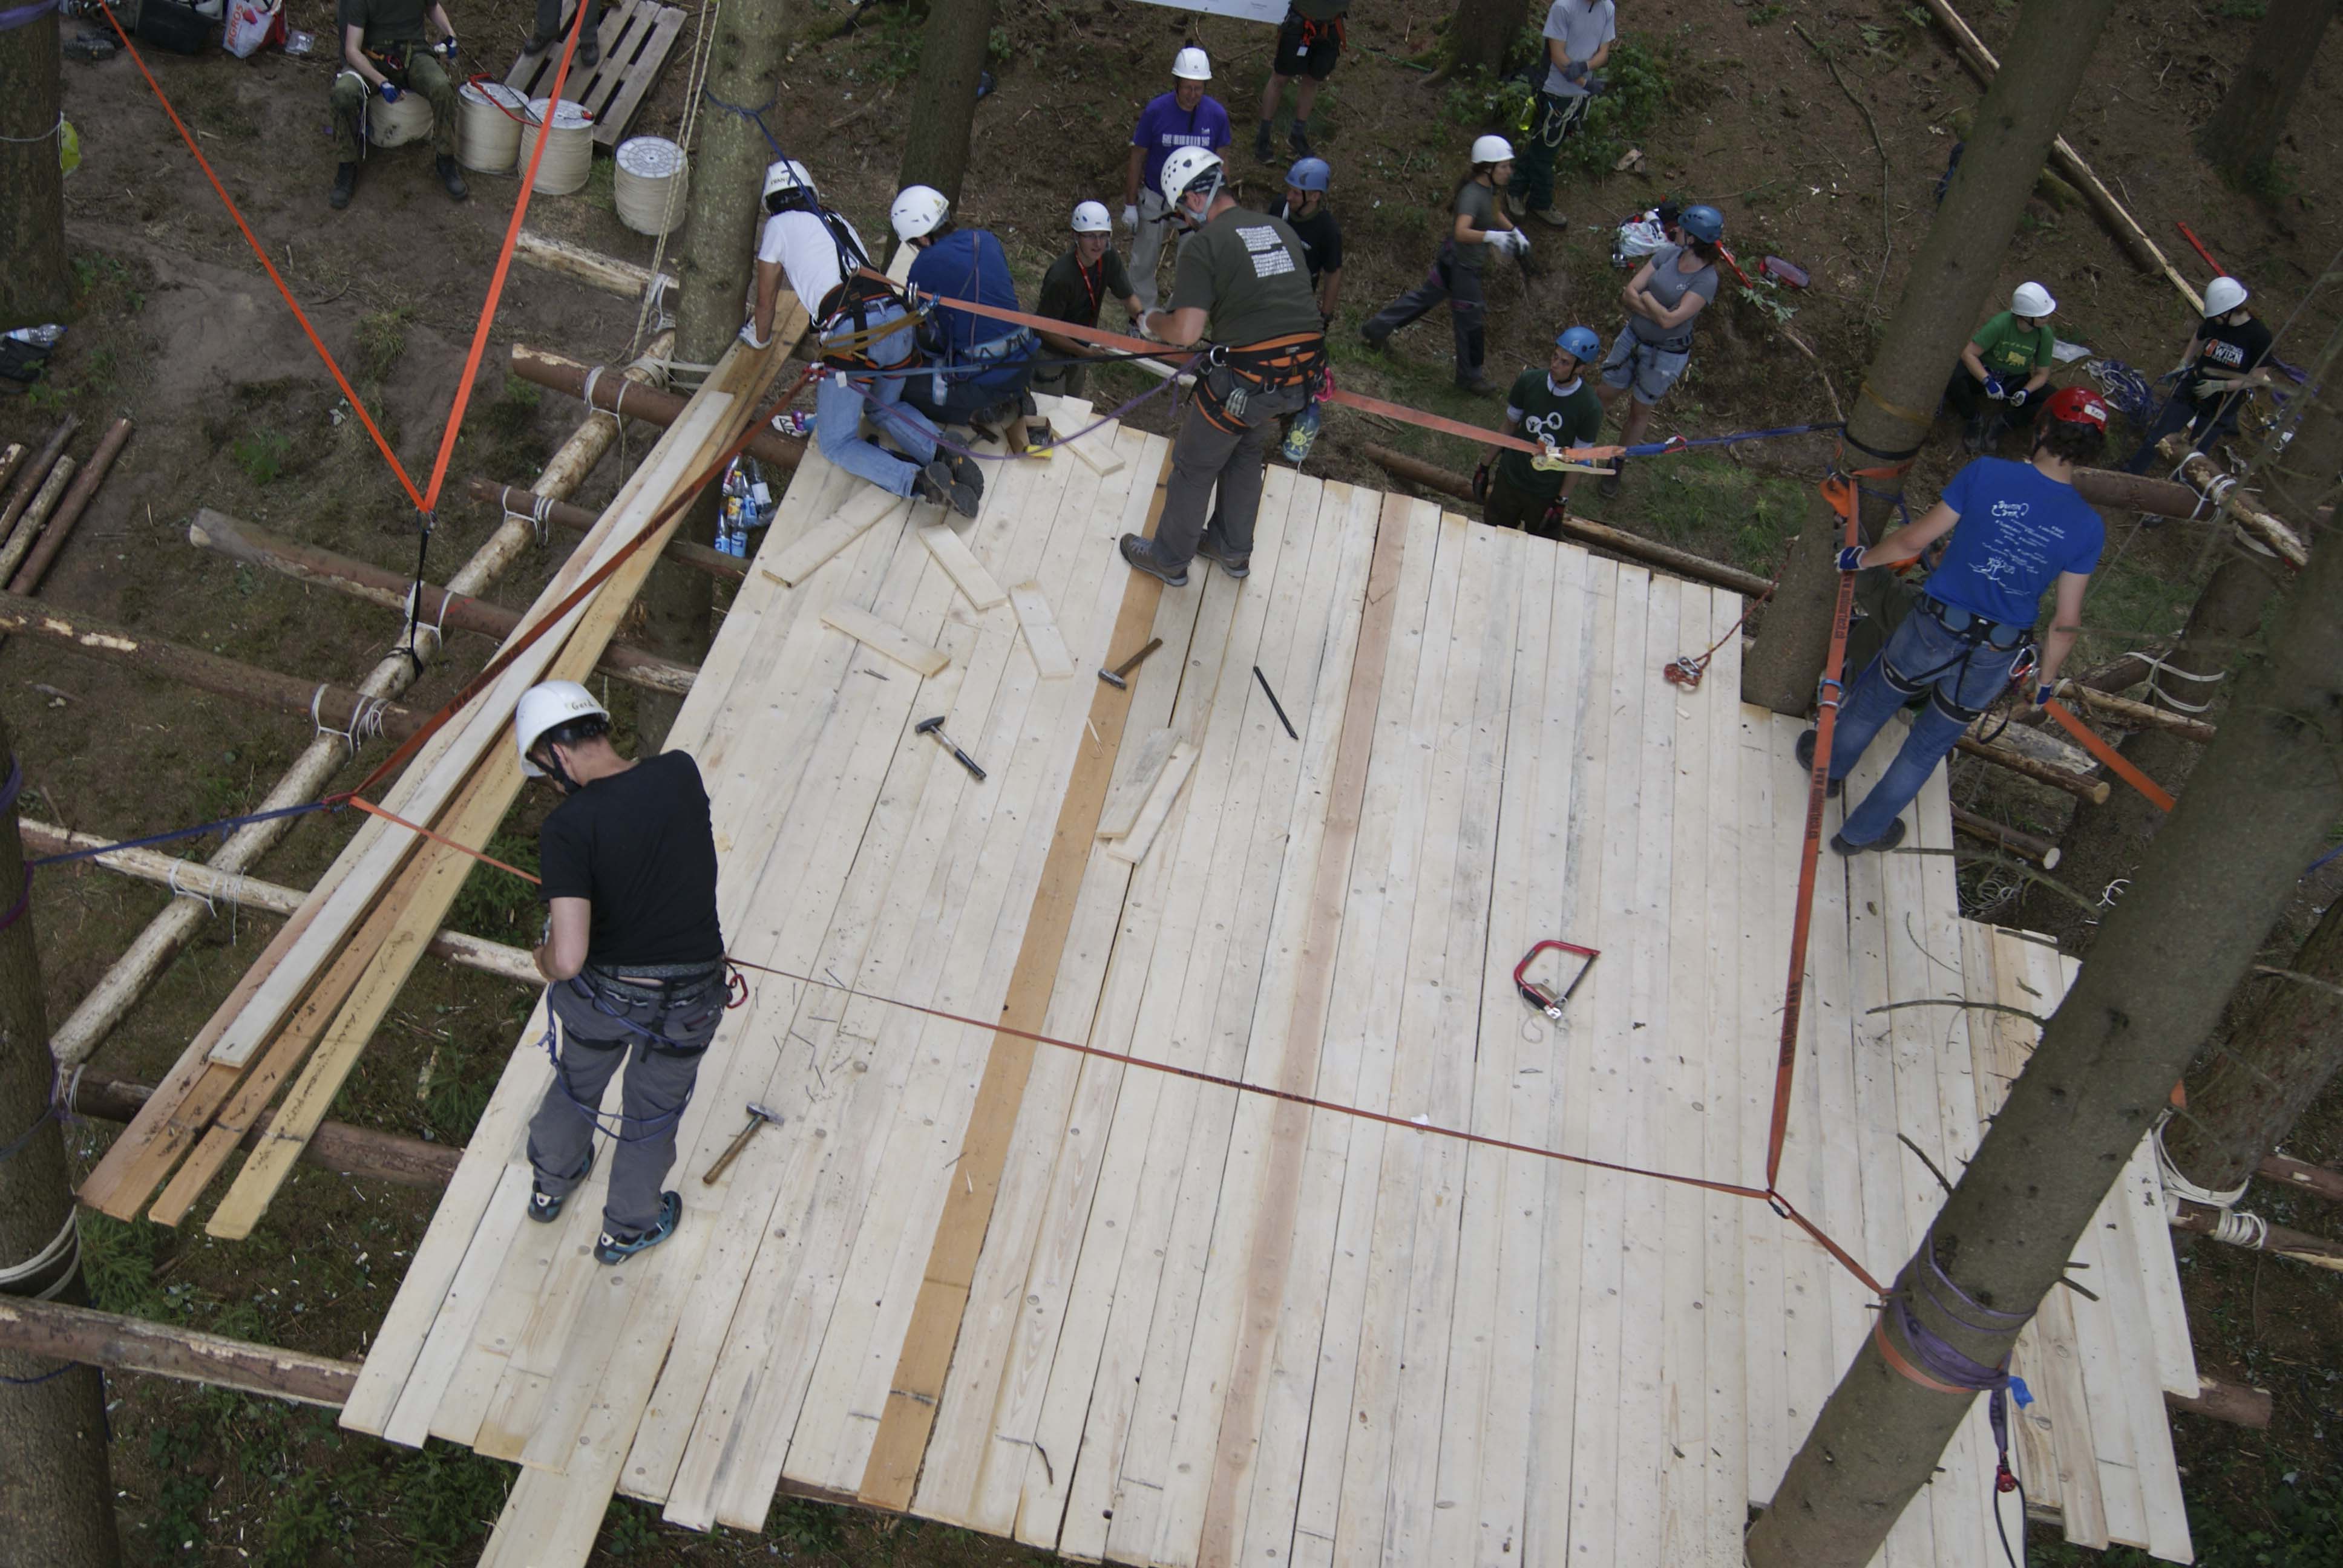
[
  {"x": 951, "y": 59},
  {"x": 57, "y": 1499},
  {"x": 2269, "y": 790},
  {"x": 1944, "y": 297},
  {"x": 36, "y": 281},
  {"x": 1481, "y": 33},
  {"x": 2241, "y": 137}
]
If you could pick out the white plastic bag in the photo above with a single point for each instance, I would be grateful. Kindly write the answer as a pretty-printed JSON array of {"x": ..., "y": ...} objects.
[
  {"x": 1637, "y": 238},
  {"x": 247, "y": 27}
]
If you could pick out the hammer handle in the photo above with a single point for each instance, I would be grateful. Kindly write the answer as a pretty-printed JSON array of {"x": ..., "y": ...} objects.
[
  {"x": 1133, "y": 662},
  {"x": 732, "y": 1151}
]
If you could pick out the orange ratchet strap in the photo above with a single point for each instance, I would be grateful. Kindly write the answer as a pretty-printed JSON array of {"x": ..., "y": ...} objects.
[{"x": 2090, "y": 740}]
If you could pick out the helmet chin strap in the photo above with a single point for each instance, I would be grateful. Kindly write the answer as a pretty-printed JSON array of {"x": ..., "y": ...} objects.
[{"x": 551, "y": 763}]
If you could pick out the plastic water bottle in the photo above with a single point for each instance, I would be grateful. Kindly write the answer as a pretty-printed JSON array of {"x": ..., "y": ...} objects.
[
  {"x": 1302, "y": 437},
  {"x": 731, "y": 538}
]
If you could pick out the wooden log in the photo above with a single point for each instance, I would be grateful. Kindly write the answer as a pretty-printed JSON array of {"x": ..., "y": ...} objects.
[
  {"x": 10, "y": 460},
  {"x": 649, "y": 404},
  {"x": 36, "y": 513},
  {"x": 2141, "y": 716},
  {"x": 1650, "y": 552},
  {"x": 2095, "y": 790},
  {"x": 516, "y": 501},
  {"x": 591, "y": 268},
  {"x": 2204, "y": 476},
  {"x": 338, "y": 1147},
  {"x": 362, "y": 579},
  {"x": 199, "y": 881},
  {"x": 2299, "y": 1245},
  {"x": 61, "y": 524},
  {"x": 133, "y": 1344},
  {"x": 2119, "y": 491},
  {"x": 30, "y": 475},
  {"x": 2236, "y": 1403},
  {"x": 2302, "y": 1177},
  {"x": 2025, "y": 846}
]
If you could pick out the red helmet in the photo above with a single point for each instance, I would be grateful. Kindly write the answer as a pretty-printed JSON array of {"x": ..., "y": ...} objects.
[{"x": 2077, "y": 405}]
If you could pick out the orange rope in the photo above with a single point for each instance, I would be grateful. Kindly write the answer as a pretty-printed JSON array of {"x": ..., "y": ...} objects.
[
  {"x": 2115, "y": 762},
  {"x": 371, "y": 809}
]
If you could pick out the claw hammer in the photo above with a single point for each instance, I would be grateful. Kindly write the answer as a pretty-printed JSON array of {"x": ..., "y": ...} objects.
[{"x": 757, "y": 1117}]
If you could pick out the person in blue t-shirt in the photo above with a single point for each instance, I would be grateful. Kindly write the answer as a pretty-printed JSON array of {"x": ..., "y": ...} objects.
[
  {"x": 1186, "y": 117},
  {"x": 984, "y": 363},
  {"x": 2017, "y": 530}
]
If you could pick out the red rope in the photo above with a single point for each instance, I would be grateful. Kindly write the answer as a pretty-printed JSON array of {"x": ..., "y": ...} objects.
[{"x": 2118, "y": 764}]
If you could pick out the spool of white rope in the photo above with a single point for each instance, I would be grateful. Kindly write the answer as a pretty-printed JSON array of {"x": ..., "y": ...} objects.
[
  {"x": 488, "y": 127},
  {"x": 569, "y": 145},
  {"x": 396, "y": 125},
  {"x": 651, "y": 180}
]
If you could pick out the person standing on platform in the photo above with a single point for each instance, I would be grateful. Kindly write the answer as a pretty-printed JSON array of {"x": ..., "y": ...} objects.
[
  {"x": 2224, "y": 362},
  {"x": 384, "y": 52},
  {"x": 1077, "y": 284},
  {"x": 1186, "y": 117},
  {"x": 986, "y": 362},
  {"x": 2019, "y": 530},
  {"x": 1999, "y": 384},
  {"x": 633, "y": 959},
  {"x": 1578, "y": 38},
  {"x": 1309, "y": 42},
  {"x": 549, "y": 32},
  {"x": 1245, "y": 284},
  {"x": 1556, "y": 407},
  {"x": 1668, "y": 292},
  {"x": 1480, "y": 226}
]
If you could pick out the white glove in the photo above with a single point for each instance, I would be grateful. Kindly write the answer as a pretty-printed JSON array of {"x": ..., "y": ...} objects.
[
  {"x": 748, "y": 335},
  {"x": 1130, "y": 216}
]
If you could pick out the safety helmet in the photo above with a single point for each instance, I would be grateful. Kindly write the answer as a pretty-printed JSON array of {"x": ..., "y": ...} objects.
[
  {"x": 1310, "y": 174},
  {"x": 548, "y": 706},
  {"x": 1089, "y": 217},
  {"x": 1492, "y": 150},
  {"x": 1187, "y": 170},
  {"x": 1580, "y": 343},
  {"x": 917, "y": 211},
  {"x": 2077, "y": 405},
  {"x": 787, "y": 176},
  {"x": 2032, "y": 299},
  {"x": 1703, "y": 222},
  {"x": 1192, "y": 65},
  {"x": 2222, "y": 295}
]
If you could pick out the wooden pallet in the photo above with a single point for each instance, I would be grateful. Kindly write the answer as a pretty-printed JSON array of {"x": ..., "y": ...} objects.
[{"x": 636, "y": 37}]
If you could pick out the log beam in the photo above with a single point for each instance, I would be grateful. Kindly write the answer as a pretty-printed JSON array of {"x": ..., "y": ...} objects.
[
  {"x": 133, "y": 1344},
  {"x": 515, "y": 501},
  {"x": 2300, "y": 1245},
  {"x": 337, "y": 1146},
  {"x": 2236, "y": 1403},
  {"x": 2205, "y": 477},
  {"x": 2025, "y": 846},
  {"x": 614, "y": 395},
  {"x": 2095, "y": 790},
  {"x": 61, "y": 526},
  {"x": 590, "y": 267},
  {"x": 2142, "y": 716},
  {"x": 2316, "y": 1179}
]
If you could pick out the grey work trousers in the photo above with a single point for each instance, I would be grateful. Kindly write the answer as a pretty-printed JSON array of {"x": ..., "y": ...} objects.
[
  {"x": 1468, "y": 309},
  {"x": 1207, "y": 457},
  {"x": 659, "y": 1077},
  {"x": 548, "y": 21}
]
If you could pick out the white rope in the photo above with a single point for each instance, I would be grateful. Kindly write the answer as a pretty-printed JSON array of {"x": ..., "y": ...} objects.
[
  {"x": 696, "y": 81},
  {"x": 2242, "y": 1230},
  {"x": 2177, "y": 1187},
  {"x": 2157, "y": 668},
  {"x": 171, "y": 880},
  {"x": 67, "y": 1242},
  {"x": 45, "y": 135}
]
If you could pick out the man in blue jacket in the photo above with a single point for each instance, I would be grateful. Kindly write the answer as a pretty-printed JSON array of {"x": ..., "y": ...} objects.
[{"x": 984, "y": 363}]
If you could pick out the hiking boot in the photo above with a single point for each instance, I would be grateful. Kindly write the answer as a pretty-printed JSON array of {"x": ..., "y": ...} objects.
[
  {"x": 966, "y": 470},
  {"x": 1516, "y": 206},
  {"x": 1372, "y": 339},
  {"x": 938, "y": 485},
  {"x": 1551, "y": 217},
  {"x": 453, "y": 178},
  {"x": 1298, "y": 139},
  {"x": 1806, "y": 753},
  {"x": 590, "y": 51},
  {"x": 1607, "y": 487},
  {"x": 617, "y": 1246},
  {"x": 539, "y": 44},
  {"x": 1261, "y": 151},
  {"x": 1479, "y": 385},
  {"x": 345, "y": 180},
  {"x": 1887, "y": 840},
  {"x": 544, "y": 1207},
  {"x": 1141, "y": 556},
  {"x": 1219, "y": 555}
]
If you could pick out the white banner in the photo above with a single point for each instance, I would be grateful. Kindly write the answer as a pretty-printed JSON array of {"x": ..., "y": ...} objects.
[{"x": 1270, "y": 11}]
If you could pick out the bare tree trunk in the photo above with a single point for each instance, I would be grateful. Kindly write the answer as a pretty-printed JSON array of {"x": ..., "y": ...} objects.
[
  {"x": 35, "y": 283},
  {"x": 57, "y": 1499},
  {"x": 951, "y": 58},
  {"x": 2241, "y": 137},
  {"x": 1481, "y": 33},
  {"x": 2267, "y": 792},
  {"x": 1943, "y": 298}
]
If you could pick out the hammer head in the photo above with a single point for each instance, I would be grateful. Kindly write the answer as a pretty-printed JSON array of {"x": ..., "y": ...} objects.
[
  {"x": 926, "y": 726},
  {"x": 1111, "y": 678},
  {"x": 764, "y": 1114}
]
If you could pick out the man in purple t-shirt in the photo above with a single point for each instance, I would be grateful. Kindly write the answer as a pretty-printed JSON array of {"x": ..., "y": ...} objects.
[{"x": 1186, "y": 117}]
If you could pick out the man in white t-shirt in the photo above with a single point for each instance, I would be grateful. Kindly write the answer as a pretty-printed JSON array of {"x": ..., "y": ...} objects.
[{"x": 1578, "y": 38}]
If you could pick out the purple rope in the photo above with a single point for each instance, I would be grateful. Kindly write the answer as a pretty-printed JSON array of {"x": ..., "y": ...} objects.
[
  {"x": 25, "y": 15},
  {"x": 886, "y": 411}
]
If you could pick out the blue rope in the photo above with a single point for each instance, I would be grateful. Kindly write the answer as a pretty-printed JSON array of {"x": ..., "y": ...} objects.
[
  {"x": 37, "y": 1381},
  {"x": 178, "y": 833},
  {"x": 755, "y": 116},
  {"x": 1681, "y": 444}
]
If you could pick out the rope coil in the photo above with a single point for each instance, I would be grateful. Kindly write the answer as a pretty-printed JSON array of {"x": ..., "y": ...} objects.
[{"x": 65, "y": 1244}]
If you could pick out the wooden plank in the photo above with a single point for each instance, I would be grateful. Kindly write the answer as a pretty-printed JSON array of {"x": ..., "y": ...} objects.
[
  {"x": 1728, "y": 1059},
  {"x": 1088, "y": 438},
  {"x": 952, "y": 552},
  {"x": 640, "y": 69},
  {"x": 1041, "y": 627},
  {"x": 1140, "y": 767},
  {"x": 1131, "y": 847},
  {"x": 871, "y": 631},
  {"x": 866, "y": 509},
  {"x": 450, "y": 1337}
]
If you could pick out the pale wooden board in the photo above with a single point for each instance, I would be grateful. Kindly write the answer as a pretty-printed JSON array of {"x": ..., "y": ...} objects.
[
  {"x": 867, "y": 630},
  {"x": 951, "y": 551},
  {"x": 1136, "y": 771},
  {"x": 864, "y": 509},
  {"x": 1042, "y": 638},
  {"x": 635, "y": 36},
  {"x": 1131, "y": 847}
]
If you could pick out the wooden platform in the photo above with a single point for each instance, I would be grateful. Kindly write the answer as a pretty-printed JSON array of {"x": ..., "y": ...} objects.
[
  {"x": 636, "y": 36},
  {"x": 1128, "y": 1315}
]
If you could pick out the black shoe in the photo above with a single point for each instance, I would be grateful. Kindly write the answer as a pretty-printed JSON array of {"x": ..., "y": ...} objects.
[
  {"x": 617, "y": 1246},
  {"x": 1805, "y": 752},
  {"x": 345, "y": 180},
  {"x": 453, "y": 178},
  {"x": 937, "y": 482},
  {"x": 1261, "y": 151},
  {"x": 538, "y": 45},
  {"x": 1887, "y": 840},
  {"x": 1236, "y": 566},
  {"x": 1372, "y": 340},
  {"x": 1140, "y": 555},
  {"x": 1972, "y": 439},
  {"x": 967, "y": 470},
  {"x": 544, "y": 1207},
  {"x": 1298, "y": 139},
  {"x": 590, "y": 52},
  {"x": 1607, "y": 487},
  {"x": 1478, "y": 385}
]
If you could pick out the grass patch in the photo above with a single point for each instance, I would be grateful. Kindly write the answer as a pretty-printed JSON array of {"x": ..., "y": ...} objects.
[
  {"x": 442, "y": 1501},
  {"x": 382, "y": 342},
  {"x": 497, "y": 905},
  {"x": 1712, "y": 507},
  {"x": 261, "y": 455},
  {"x": 2130, "y": 604}
]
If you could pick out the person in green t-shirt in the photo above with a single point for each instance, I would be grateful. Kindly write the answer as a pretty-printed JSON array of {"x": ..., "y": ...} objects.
[
  {"x": 385, "y": 50},
  {"x": 1555, "y": 406},
  {"x": 2003, "y": 368}
]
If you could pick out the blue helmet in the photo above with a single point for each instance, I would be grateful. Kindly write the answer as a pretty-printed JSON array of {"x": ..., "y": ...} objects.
[
  {"x": 1702, "y": 223},
  {"x": 1581, "y": 344},
  {"x": 1310, "y": 174}
]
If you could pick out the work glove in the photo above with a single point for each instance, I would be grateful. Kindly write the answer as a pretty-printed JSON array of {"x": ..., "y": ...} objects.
[
  {"x": 1130, "y": 216},
  {"x": 1850, "y": 559},
  {"x": 1993, "y": 389},
  {"x": 2042, "y": 694},
  {"x": 2206, "y": 390},
  {"x": 448, "y": 48},
  {"x": 1574, "y": 72},
  {"x": 1481, "y": 483},
  {"x": 748, "y": 335},
  {"x": 390, "y": 92},
  {"x": 2018, "y": 397}
]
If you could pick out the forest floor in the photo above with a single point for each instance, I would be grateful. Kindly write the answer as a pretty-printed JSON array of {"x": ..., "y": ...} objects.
[{"x": 179, "y": 331}]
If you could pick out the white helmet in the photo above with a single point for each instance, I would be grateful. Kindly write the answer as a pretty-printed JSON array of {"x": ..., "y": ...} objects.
[
  {"x": 549, "y": 705},
  {"x": 1184, "y": 170},
  {"x": 2032, "y": 299},
  {"x": 1192, "y": 65},
  {"x": 917, "y": 211},
  {"x": 1089, "y": 217},
  {"x": 2222, "y": 295},
  {"x": 787, "y": 175},
  {"x": 1492, "y": 150}
]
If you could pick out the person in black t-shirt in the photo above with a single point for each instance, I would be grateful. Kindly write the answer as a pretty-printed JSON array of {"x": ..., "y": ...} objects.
[
  {"x": 2223, "y": 364},
  {"x": 1304, "y": 212},
  {"x": 1077, "y": 284},
  {"x": 633, "y": 959}
]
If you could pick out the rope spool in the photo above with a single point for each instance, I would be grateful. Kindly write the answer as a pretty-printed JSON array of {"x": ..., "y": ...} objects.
[
  {"x": 396, "y": 125},
  {"x": 650, "y": 185},
  {"x": 569, "y": 145},
  {"x": 488, "y": 127}
]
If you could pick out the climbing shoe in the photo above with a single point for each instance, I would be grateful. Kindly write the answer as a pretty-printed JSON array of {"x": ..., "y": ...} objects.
[
  {"x": 1806, "y": 752},
  {"x": 546, "y": 1207},
  {"x": 590, "y": 52},
  {"x": 1141, "y": 556},
  {"x": 1219, "y": 555},
  {"x": 345, "y": 180},
  {"x": 937, "y": 483},
  {"x": 617, "y": 1246},
  {"x": 453, "y": 178},
  {"x": 1887, "y": 840}
]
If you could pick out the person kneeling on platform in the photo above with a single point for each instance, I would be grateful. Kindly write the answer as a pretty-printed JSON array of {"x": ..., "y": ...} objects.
[
  {"x": 2017, "y": 528},
  {"x": 1556, "y": 407},
  {"x": 1244, "y": 279},
  {"x": 384, "y": 52},
  {"x": 633, "y": 959},
  {"x": 982, "y": 363}
]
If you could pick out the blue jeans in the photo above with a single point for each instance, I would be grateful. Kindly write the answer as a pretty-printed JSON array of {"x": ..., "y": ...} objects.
[
  {"x": 838, "y": 407},
  {"x": 1921, "y": 657}
]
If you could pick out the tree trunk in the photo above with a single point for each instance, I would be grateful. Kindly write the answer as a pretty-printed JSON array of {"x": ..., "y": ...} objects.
[
  {"x": 56, "y": 1501},
  {"x": 1481, "y": 33},
  {"x": 1943, "y": 299},
  {"x": 2242, "y": 136},
  {"x": 951, "y": 58},
  {"x": 2268, "y": 791},
  {"x": 35, "y": 283}
]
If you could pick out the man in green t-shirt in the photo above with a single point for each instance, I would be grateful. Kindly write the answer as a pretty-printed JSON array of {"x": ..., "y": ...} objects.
[
  {"x": 1556, "y": 407},
  {"x": 1077, "y": 284},
  {"x": 2004, "y": 369},
  {"x": 385, "y": 51},
  {"x": 1243, "y": 281}
]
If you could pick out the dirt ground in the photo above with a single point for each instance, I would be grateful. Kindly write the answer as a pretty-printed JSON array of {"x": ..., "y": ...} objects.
[{"x": 180, "y": 332}]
